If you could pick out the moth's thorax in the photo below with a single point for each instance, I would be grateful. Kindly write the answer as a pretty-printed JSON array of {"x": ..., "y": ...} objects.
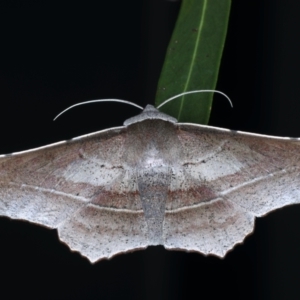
[
  {"x": 151, "y": 142},
  {"x": 152, "y": 158}
]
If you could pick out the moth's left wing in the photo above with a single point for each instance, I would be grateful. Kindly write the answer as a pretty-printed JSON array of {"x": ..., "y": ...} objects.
[
  {"x": 82, "y": 187},
  {"x": 229, "y": 179}
]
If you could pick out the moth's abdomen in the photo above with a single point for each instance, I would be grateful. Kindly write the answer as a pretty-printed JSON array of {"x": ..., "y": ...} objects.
[{"x": 153, "y": 185}]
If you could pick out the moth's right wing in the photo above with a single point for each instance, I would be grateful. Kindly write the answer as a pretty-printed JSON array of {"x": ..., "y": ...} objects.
[{"x": 229, "y": 178}]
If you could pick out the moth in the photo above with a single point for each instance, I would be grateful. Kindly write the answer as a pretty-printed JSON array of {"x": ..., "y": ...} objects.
[{"x": 153, "y": 181}]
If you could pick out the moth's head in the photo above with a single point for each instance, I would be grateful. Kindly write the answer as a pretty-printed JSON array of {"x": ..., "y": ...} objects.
[{"x": 150, "y": 113}]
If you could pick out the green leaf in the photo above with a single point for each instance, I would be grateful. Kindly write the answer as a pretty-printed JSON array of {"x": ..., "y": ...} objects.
[{"x": 193, "y": 59}]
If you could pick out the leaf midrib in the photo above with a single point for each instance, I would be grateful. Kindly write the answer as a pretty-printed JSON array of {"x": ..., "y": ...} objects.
[{"x": 193, "y": 56}]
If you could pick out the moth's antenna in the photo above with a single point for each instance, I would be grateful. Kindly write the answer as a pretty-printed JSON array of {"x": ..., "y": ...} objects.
[
  {"x": 98, "y": 100},
  {"x": 193, "y": 92}
]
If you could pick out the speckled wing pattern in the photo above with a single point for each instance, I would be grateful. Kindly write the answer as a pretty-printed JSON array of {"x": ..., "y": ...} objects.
[
  {"x": 152, "y": 182},
  {"x": 229, "y": 179},
  {"x": 82, "y": 188}
]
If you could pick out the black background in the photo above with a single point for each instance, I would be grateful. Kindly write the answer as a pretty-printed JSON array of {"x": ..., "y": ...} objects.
[{"x": 57, "y": 53}]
